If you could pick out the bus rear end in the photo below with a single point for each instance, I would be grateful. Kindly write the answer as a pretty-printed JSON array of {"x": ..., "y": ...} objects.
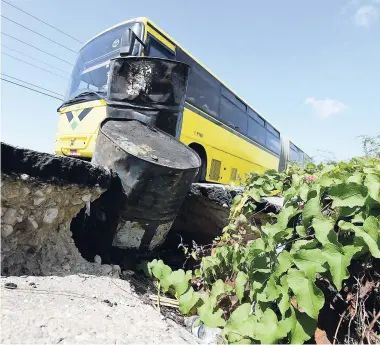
[{"x": 84, "y": 106}]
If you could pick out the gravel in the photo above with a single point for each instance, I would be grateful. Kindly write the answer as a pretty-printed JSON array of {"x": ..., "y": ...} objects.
[{"x": 81, "y": 309}]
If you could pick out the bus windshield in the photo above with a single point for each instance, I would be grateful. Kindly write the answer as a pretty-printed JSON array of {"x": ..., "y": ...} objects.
[{"x": 90, "y": 71}]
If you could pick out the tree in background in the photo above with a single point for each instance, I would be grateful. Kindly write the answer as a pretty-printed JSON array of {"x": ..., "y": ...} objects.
[{"x": 371, "y": 145}]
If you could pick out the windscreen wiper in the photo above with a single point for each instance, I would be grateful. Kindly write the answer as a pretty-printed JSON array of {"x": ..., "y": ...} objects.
[{"x": 83, "y": 96}]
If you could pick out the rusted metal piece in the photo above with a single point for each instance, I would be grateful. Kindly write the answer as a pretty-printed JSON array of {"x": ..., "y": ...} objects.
[
  {"x": 156, "y": 172},
  {"x": 149, "y": 89}
]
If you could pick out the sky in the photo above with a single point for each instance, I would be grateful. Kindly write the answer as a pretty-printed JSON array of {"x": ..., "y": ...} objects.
[{"x": 311, "y": 68}]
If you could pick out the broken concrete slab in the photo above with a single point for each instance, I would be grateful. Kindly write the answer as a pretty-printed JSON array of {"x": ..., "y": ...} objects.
[
  {"x": 40, "y": 195},
  {"x": 206, "y": 211}
]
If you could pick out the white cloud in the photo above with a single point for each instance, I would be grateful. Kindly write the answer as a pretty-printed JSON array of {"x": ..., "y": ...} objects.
[
  {"x": 366, "y": 15},
  {"x": 326, "y": 107}
]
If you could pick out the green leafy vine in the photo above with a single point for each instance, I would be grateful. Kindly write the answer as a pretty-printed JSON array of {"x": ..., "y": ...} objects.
[{"x": 260, "y": 283}]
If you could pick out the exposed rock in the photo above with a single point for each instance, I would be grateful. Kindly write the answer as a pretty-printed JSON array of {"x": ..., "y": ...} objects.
[
  {"x": 98, "y": 259},
  {"x": 6, "y": 230},
  {"x": 10, "y": 216}
]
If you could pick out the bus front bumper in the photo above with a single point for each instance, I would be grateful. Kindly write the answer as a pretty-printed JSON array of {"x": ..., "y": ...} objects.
[{"x": 80, "y": 146}]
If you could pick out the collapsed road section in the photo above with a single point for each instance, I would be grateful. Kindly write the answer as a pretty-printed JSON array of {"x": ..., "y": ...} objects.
[{"x": 40, "y": 194}]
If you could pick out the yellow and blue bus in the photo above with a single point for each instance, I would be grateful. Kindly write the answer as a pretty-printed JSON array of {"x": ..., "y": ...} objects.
[{"x": 230, "y": 137}]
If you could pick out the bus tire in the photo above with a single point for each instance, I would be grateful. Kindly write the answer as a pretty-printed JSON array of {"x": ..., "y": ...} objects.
[{"x": 199, "y": 149}]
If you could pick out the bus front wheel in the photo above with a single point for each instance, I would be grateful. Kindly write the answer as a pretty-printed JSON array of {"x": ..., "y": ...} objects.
[{"x": 199, "y": 149}]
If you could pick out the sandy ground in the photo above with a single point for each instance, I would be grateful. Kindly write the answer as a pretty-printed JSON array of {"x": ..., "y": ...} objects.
[{"x": 81, "y": 309}]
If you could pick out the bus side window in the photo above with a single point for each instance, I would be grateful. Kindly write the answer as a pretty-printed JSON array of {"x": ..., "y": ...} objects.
[
  {"x": 295, "y": 154},
  {"x": 273, "y": 139},
  {"x": 157, "y": 49},
  {"x": 256, "y": 131},
  {"x": 232, "y": 116},
  {"x": 203, "y": 90}
]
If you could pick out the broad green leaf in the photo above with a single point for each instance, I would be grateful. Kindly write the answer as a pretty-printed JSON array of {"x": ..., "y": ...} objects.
[
  {"x": 356, "y": 178},
  {"x": 209, "y": 317},
  {"x": 304, "y": 190},
  {"x": 209, "y": 264},
  {"x": 326, "y": 181},
  {"x": 373, "y": 245},
  {"x": 218, "y": 289},
  {"x": 301, "y": 231},
  {"x": 180, "y": 281},
  {"x": 322, "y": 227},
  {"x": 269, "y": 330},
  {"x": 260, "y": 181},
  {"x": 257, "y": 245},
  {"x": 348, "y": 195},
  {"x": 240, "y": 205},
  {"x": 271, "y": 291},
  {"x": 160, "y": 270},
  {"x": 303, "y": 244},
  {"x": 285, "y": 215},
  {"x": 303, "y": 327},
  {"x": 311, "y": 209},
  {"x": 310, "y": 261},
  {"x": 308, "y": 295},
  {"x": 254, "y": 194},
  {"x": 241, "y": 324},
  {"x": 236, "y": 199},
  {"x": 289, "y": 193},
  {"x": 338, "y": 258},
  {"x": 347, "y": 211},
  {"x": 296, "y": 180},
  {"x": 271, "y": 230},
  {"x": 372, "y": 227},
  {"x": 188, "y": 300},
  {"x": 258, "y": 261},
  {"x": 225, "y": 254},
  {"x": 284, "y": 262},
  {"x": 328, "y": 168},
  {"x": 255, "y": 286},
  {"x": 240, "y": 283},
  {"x": 358, "y": 218},
  {"x": 372, "y": 182},
  {"x": 279, "y": 186},
  {"x": 284, "y": 302},
  {"x": 369, "y": 170},
  {"x": 241, "y": 313},
  {"x": 237, "y": 258}
]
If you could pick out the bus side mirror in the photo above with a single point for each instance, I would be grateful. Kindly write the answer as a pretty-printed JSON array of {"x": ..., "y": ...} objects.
[{"x": 128, "y": 43}]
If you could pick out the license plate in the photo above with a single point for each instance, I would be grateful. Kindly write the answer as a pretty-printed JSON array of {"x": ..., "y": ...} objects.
[{"x": 74, "y": 153}]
